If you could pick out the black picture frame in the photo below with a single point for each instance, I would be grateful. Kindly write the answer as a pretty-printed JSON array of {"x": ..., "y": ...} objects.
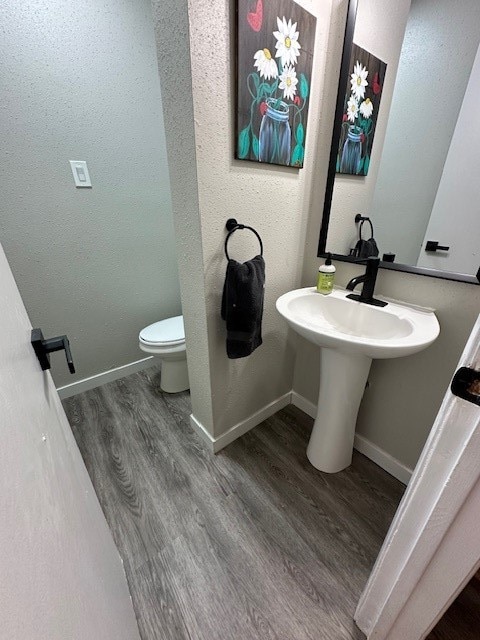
[
  {"x": 336, "y": 134},
  {"x": 289, "y": 113}
]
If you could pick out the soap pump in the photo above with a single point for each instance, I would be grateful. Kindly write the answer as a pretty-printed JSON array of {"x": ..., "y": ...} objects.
[{"x": 326, "y": 274}]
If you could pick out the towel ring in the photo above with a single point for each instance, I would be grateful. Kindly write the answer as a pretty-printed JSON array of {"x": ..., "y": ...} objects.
[
  {"x": 362, "y": 219},
  {"x": 232, "y": 226}
]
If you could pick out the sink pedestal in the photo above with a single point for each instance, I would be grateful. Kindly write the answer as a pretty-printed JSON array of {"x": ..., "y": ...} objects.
[{"x": 342, "y": 383}]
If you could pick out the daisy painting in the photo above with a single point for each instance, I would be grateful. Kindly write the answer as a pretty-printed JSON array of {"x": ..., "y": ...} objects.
[
  {"x": 275, "y": 41},
  {"x": 362, "y": 103}
]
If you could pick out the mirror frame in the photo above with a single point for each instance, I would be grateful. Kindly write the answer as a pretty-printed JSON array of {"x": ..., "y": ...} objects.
[{"x": 337, "y": 128}]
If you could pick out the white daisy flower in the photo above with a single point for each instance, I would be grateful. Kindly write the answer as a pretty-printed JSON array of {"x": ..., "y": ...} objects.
[
  {"x": 288, "y": 82},
  {"x": 287, "y": 45},
  {"x": 366, "y": 108},
  {"x": 358, "y": 80},
  {"x": 266, "y": 65},
  {"x": 352, "y": 109}
]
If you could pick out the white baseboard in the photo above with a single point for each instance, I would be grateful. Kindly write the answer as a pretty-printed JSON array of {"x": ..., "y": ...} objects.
[
  {"x": 305, "y": 405},
  {"x": 384, "y": 460},
  {"x": 102, "y": 378},
  {"x": 216, "y": 444}
]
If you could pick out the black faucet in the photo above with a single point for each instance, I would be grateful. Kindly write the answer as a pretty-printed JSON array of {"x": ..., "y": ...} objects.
[{"x": 369, "y": 278}]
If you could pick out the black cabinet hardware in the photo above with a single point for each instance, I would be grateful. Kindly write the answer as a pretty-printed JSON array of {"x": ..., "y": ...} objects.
[{"x": 432, "y": 245}]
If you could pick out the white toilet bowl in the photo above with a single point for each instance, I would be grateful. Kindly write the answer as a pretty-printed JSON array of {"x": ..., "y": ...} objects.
[{"x": 166, "y": 340}]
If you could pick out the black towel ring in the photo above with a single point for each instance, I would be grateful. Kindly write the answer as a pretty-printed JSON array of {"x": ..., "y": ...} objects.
[
  {"x": 232, "y": 226},
  {"x": 362, "y": 219}
]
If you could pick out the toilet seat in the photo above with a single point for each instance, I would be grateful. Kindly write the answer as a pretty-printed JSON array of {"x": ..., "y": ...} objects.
[
  {"x": 166, "y": 333},
  {"x": 166, "y": 341}
]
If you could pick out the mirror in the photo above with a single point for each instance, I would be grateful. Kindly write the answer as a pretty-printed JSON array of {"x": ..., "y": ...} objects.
[{"x": 413, "y": 72}]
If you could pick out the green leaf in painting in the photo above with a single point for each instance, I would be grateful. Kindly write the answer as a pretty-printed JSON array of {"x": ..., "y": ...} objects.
[
  {"x": 263, "y": 89},
  {"x": 244, "y": 143},
  {"x": 268, "y": 88},
  {"x": 297, "y": 156},
  {"x": 366, "y": 164},
  {"x": 360, "y": 166},
  {"x": 303, "y": 87},
  {"x": 256, "y": 80},
  {"x": 300, "y": 134},
  {"x": 255, "y": 146}
]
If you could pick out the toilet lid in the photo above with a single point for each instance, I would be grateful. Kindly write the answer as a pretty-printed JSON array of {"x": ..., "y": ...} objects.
[{"x": 169, "y": 331}]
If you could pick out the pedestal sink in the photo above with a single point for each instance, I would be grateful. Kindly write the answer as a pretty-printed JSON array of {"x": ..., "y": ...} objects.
[{"x": 351, "y": 334}]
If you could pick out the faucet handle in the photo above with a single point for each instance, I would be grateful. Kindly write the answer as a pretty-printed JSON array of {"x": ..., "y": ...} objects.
[{"x": 366, "y": 261}]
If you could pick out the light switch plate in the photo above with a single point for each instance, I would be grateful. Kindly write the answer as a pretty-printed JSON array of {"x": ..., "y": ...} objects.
[{"x": 80, "y": 173}]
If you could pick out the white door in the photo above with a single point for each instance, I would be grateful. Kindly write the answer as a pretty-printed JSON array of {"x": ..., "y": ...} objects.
[
  {"x": 432, "y": 547},
  {"x": 458, "y": 191},
  {"x": 61, "y": 576}
]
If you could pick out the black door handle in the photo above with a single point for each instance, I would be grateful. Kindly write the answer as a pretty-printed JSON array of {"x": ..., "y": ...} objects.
[
  {"x": 432, "y": 245},
  {"x": 466, "y": 385},
  {"x": 44, "y": 347}
]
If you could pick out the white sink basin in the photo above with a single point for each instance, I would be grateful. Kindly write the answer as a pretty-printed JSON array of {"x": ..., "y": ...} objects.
[
  {"x": 350, "y": 333},
  {"x": 353, "y": 327}
]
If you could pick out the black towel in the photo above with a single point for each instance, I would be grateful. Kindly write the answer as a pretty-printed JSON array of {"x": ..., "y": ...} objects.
[{"x": 242, "y": 306}]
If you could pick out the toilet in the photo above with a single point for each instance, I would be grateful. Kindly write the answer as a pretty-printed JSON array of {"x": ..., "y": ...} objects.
[{"x": 166, "y": 340}]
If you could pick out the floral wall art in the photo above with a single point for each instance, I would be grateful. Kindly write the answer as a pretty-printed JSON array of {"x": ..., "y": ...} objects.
[
  {"x": 362, "y": 103},
  {"x": 275, "y": 40}
]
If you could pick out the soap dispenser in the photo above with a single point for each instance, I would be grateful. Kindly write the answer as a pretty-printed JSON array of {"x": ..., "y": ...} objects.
[{"x": 326, "y": 274}]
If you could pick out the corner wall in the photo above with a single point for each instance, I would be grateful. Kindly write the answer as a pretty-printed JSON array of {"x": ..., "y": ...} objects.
[
  {"x": 274, "y": 200},
  {"x": 209, "y": 186},
  {"x": 173, "y": 57}
]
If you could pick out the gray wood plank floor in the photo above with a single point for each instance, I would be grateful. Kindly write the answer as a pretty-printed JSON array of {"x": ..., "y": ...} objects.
[
  {"x": 462, "y": 620},
  {"x": 253, "y": 543}
]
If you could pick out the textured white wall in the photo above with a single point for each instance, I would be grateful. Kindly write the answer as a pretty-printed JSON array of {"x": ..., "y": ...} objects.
[
  {"x": 274, "y": 200},
  {"x": 173, "y": 51},
  {"x": 79, "y": 81},
  {"x": 209, "y": 186},
  {"x": 401, "y": 403},
  {"x": 441, "y": 41}
]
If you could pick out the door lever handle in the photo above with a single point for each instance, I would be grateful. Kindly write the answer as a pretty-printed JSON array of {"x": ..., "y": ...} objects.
[
  {"x": 43, "y": 348},
  {"x": 466, "y": 385},
  {"x": 432, "y": 245}
]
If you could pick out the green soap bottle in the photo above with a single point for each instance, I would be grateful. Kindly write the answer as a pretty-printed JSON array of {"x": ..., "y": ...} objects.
[{"x": 326, "y": 275}]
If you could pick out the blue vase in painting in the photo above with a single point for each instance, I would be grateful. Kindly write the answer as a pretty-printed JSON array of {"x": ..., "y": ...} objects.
[
  {"x": 275, "y": 136},
  {"x": 352, "y": 151}
]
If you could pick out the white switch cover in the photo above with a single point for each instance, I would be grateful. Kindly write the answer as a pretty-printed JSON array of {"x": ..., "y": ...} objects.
[{"x": 80, "y": 173}]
